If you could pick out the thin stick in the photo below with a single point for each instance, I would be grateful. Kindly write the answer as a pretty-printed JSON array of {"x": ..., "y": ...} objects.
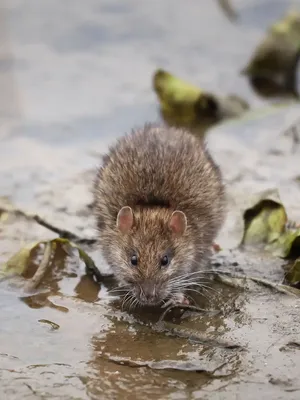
[
  {"x": 62, "y": 233},
  {"x": 41, "y": 271},
  {"x": 170, "y": 365},
  {"x": 275, "y": 286}
]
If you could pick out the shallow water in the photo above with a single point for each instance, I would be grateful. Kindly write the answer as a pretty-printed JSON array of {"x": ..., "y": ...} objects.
[{"x": 73, "y": 77}]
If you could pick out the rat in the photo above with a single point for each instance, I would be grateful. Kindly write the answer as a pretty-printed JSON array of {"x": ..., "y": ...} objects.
[{"x": 159, "y": 202}]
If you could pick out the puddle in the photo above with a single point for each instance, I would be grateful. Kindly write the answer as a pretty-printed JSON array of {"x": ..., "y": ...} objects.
[{"x": 76, "y": 78}]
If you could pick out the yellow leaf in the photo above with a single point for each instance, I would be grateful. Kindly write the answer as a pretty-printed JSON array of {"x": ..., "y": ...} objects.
[
  {"x": 184, "y": 105},
  {"x": 266, "y": 225},
  {"x": 265, "y": 221}
]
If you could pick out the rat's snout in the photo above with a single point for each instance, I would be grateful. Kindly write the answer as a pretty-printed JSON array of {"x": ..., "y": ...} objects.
[{"x": 148, "y": 293}]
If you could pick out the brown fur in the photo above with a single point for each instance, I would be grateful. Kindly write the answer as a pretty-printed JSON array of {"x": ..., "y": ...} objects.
[{"x": 156, "y": 170}]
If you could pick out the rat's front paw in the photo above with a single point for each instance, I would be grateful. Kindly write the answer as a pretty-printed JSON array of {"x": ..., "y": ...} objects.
[{"x": 178, "y": 298}]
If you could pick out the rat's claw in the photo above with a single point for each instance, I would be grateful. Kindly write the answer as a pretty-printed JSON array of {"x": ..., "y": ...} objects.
[
  {"x": 168, "y": 303},
  {"x": 178, "y": 298}
]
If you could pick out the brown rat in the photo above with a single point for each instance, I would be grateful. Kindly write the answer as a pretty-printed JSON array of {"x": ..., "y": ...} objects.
[{"x": 159, "y": 202}]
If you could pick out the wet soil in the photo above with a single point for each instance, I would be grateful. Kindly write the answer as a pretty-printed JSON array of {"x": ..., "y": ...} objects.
[{"x": 74, "y": 77}]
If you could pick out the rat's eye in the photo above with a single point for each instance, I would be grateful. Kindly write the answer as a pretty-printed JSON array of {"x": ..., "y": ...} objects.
[
  {"x": 164, "y": 261},
  {"x": 134, "y": 260}
]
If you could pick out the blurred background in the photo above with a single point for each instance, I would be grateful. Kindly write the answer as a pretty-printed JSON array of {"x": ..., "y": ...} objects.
[
  {"x": 75, "y": 75},
  {"x": 73, "y": 72},
  {"x": 62, "y": 61}
]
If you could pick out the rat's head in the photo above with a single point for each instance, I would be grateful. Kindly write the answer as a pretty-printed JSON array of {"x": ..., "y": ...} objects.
[{"x": 153, "y": 249}]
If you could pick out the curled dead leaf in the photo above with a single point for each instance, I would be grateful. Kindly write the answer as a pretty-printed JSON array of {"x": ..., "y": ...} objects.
[
  {"x": 266, "y": 225},
  {"x": 272, "y": 69},
  {"x": 265, "y": 221},
  {"x": 184, "y": 105},
  {"x": 17, "y": 264},
  {"x": 20, "y": 262}
]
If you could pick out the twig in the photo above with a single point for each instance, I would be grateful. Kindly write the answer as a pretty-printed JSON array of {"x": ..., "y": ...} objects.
[
  {"x": 54, "y": 326},
  {"x": 62, "y": 233},
  {"x": 275, "y": 286},
  {"x": 168, "y": 365}
]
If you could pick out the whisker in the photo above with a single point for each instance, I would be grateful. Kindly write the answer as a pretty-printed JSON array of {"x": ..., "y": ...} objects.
[
  {"x": 201, "y": 294},
  {"x": 127, "y": 297},
  {"x": 135, "y": 303},
  {"x": 205, "y": 287},
  {"x": 191, "y": 300},
  {"x": 120, "y": 291},
  {"x": 188, "y": 283},
  {"x": 181, "y": 286},
  {"x": 189, "y": 278},
  {"x": 189, "y": 275},
  {"x": 201, "y": 272},
  {"x": 130, "y": 305},
  {"x": 119, "y": 288},
  {"x": 197, "y": 272},
  {"x": 210, "y": 288}
]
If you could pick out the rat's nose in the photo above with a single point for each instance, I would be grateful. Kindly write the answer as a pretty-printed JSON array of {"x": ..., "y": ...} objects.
[{"x": 148, "y": 292}]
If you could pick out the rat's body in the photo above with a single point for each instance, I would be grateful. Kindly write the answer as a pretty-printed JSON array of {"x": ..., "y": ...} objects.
[{"x": 159, "y": 202}]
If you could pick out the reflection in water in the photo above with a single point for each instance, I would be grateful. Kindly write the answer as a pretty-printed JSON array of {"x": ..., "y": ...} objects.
[
  {"x": 87, "y": 289},
  {"x": 133, "y": 360},
  {"x": 41, "y": 300},
  {"x": 66, "y": 275}
]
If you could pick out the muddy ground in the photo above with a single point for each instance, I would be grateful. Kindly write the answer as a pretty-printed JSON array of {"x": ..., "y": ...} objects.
[{"x": 73, "y": 77}]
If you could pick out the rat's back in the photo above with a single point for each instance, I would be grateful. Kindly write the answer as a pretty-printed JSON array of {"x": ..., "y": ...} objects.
[{"x": 160, "y": 166}]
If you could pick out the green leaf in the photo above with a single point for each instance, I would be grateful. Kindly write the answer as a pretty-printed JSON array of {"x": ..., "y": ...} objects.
[
  {"x": 265, "y": 221},
  {"x": 19, "y": 262},
  {"x": 266, "y": 225}
]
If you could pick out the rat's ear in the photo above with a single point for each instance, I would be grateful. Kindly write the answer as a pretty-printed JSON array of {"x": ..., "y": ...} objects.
[
  {"x": 125, "y": 219},
  {"x": 178, "y": 223}
]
